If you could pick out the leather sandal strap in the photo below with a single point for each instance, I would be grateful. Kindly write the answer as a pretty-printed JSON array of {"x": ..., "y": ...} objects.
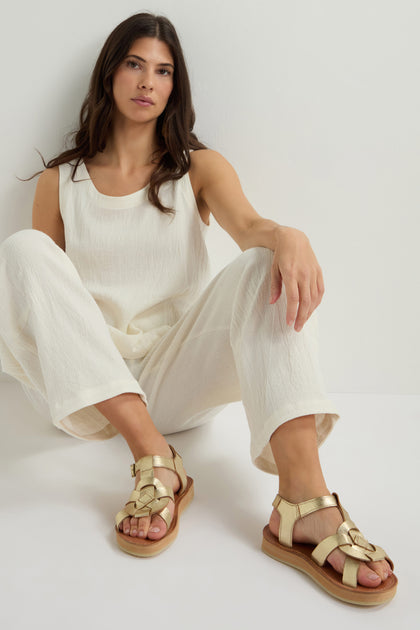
[
  {"x": 146, "y": 463},
  {"x": 324, "y": 548},
  {"x": 291, "y": 512},
  {"x": 348, "y": 538},
  {"x": 167, "y": 517},
  {"x": 124, "y": 513},
  {"x": 351, "y": 567},
  {"x": 151, "y": 496},
  {"x": 354, "y": 555},
  {"x": 146, "y": 499},
  {"x": 353, "y": 543}
]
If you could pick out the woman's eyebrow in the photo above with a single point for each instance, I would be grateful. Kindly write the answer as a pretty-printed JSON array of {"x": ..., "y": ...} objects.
[{"x": 144, "y": 61}]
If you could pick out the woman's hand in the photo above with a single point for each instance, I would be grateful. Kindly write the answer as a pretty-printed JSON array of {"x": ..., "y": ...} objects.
[{"x": 295, "y": 264}]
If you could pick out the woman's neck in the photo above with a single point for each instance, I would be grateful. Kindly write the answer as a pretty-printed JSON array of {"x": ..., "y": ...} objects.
[{"x": 129, "y": 146}]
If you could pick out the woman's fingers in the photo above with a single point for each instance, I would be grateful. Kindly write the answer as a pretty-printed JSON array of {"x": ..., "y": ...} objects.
[
  {"x": 317, "y": 291},
  {"x": 295, "y": 265},
  {"x": 303, "y": 297},
  {"x": 292, "y": 296},
  {"x": 276, "y": 284},
  {"x": 320, "y": 283},
  {"x": 305, "y": 303}
]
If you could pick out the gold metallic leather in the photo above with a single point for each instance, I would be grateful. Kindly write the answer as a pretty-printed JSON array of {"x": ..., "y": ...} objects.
[
  {"x": 348, "y": 537},
  {"x": 151, "y": 496},
  {"x": 291, "y": 512}
]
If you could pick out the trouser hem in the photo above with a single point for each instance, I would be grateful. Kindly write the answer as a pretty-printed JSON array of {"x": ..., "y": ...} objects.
[
  {"x": 326, "y": 415},
  {"x": 95, "y": 395}
]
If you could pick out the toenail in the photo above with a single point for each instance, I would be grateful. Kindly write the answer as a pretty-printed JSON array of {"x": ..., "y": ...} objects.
[
  {"x": 373, "y": 576},
  {"x": 155, "y": 530},
  {"x": 141, "y": 532},
  {"x": 134, "y": 531}
]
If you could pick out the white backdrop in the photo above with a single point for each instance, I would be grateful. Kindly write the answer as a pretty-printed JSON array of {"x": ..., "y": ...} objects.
[{"x": 315, "y": 104}]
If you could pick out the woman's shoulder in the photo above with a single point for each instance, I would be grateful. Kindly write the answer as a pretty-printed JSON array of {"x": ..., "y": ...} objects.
[
  {"x": 48, "y": 180},
  {"x": 205, "y": 156},
  {"x": 205, "y": 165},
  {"x": 51, "y": 175}
]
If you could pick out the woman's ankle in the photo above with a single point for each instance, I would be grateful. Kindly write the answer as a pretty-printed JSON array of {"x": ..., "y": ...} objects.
[
  {"x": 296, "y": 490},
  {"x": 150, "y": 445}
]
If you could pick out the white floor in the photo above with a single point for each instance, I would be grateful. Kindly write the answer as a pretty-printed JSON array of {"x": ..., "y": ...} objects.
[{"x": 61, "y": 567}]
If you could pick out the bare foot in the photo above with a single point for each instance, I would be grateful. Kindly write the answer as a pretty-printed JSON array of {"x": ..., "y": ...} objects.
[
  {"x": 316, "y": 526},
  {"x": 146, "y": 526}
]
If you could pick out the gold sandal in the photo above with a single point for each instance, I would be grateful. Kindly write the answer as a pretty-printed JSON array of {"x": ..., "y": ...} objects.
[
  {"x": 151, "y": 497},
  {"x": 311, "y": 559}
]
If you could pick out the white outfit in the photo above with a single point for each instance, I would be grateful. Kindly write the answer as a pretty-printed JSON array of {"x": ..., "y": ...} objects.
[{"x": 130, "y": 307}]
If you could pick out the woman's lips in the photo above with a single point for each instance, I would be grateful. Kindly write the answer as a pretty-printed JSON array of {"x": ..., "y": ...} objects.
[{"x": 142, "y": 103}]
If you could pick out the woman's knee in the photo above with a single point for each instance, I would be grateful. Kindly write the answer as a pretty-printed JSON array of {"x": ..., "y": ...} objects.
[
  {"x": 257, "y": 259},
  {"x": 25, "y": 246}
]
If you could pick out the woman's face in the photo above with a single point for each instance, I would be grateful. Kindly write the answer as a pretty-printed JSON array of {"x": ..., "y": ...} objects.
[{"x": 147, "y": 71}]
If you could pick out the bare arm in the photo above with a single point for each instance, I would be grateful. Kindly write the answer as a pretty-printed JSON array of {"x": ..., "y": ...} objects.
[
  {"x": 294, "y": 262},
  {"x": 221, "y": 191},
  {"x": 46, "y": 215}
]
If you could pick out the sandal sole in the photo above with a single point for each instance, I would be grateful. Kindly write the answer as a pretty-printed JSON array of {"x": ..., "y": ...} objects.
[
  {"x": 145, "y": 547},
  {"x": 299, "y": 557}
]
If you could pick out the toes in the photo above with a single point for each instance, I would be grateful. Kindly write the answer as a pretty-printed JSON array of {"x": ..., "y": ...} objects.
[
  {"x": 141, "y": 527},
  {"x": 381, "y": 567},
  {"x": 157, "y": 527},
  {"x": 367, "y": 577},
  {"x": 125, "y": 525},
  {"x": 135, "y": 526},
  {"x": 369, "y": 574}
]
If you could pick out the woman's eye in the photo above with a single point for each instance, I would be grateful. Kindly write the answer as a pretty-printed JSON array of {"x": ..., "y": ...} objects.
[{"x": 135, "y": 65}]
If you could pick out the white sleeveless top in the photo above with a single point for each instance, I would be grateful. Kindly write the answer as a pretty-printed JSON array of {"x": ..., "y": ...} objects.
[{"x": 143, "y": 267}]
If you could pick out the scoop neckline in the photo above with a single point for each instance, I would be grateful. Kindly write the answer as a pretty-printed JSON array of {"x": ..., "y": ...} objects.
[{"x": 114, "y": 201}]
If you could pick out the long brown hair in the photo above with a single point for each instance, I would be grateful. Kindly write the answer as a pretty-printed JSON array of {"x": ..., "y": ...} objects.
[{"x": 174, "y": 125}]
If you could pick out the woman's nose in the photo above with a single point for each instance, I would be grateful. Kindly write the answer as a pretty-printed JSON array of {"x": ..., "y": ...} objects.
[{"x": 146, "y": 81}]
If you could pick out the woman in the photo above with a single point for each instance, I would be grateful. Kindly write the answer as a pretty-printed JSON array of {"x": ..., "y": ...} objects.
[{"x": 111, "y": 321}]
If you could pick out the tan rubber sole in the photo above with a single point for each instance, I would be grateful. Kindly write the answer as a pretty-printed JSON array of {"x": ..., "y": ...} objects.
[
  {"x": 299, "y": 557},
  {"x": 144, "y": 547}
]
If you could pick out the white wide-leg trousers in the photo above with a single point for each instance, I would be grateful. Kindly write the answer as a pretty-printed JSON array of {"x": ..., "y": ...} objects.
[{"x": 230, "y": 345}]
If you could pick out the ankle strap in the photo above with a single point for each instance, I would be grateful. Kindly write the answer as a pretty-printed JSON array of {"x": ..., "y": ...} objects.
[
  {"x": 291, "y": 512},
  {"x": 147, "y": 462}
]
